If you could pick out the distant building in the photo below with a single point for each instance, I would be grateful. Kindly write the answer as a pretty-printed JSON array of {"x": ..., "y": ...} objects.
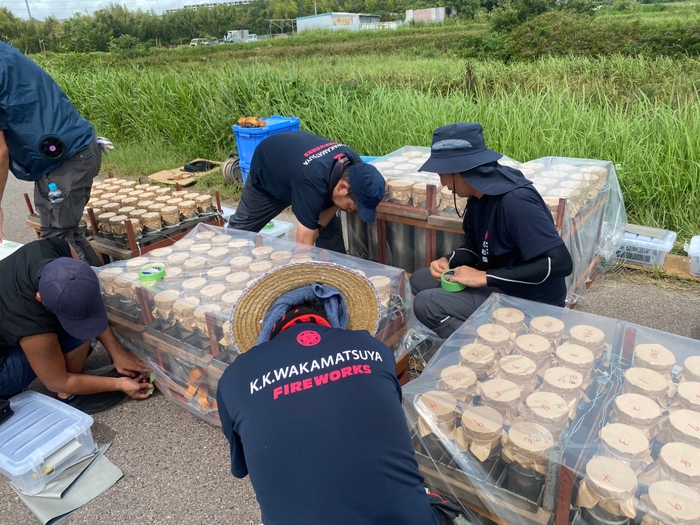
[
  {"x": 433, "y": 14},
  {"x": 333, "y": 21},
  {"x": 210, "y": 5}
]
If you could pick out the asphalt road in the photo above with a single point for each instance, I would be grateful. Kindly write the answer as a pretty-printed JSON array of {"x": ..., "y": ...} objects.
[
  {"x": 15, "y": 210},
  {"x": 176, "y": 466}
]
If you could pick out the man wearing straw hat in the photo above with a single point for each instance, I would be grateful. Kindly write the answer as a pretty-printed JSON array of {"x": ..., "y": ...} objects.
[
  {"x": 317, "y": 177},
  {"x": 312, "y": 406},
  {"x": 511, "y": 245}
]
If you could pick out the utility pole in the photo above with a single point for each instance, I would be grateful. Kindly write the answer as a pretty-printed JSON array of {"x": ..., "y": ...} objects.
[
  {"x": 28, "y": 11},
  {"x": 315, "y": 12}
]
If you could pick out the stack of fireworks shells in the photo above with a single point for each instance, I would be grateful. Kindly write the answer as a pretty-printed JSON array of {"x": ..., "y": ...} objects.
[
  {"x": 408, "y": 186},
  {"x": 573, "y": 179},
  {"x": 520, "y": 386},
  {"x": 149, "y": 208},
  {"x": 189, "y": 310}
]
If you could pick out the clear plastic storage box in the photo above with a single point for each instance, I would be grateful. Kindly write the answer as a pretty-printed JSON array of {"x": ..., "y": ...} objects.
[
  {"x": 42, "y": 439},
  {"x": 646, "y": 250},
  {"x": 279, "y": 229}
]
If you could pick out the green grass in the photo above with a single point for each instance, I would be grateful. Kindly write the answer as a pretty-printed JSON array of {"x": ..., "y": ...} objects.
[{"x": 169, "y": 107}]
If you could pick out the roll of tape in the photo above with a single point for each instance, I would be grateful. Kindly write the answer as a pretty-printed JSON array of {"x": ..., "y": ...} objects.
[
  {"x": 152, "y": 272},
  {"x": 447, "y": 284}
]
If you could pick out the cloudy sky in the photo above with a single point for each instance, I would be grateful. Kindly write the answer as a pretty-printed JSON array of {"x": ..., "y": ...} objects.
[{"x": 42, "y": 8}]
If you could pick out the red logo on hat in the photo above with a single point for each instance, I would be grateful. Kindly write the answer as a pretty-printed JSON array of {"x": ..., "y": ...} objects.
[{"x": 308, "y": 338}]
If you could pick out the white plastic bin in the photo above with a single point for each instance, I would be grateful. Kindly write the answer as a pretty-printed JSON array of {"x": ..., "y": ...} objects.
[
  {"x": 42, "y": 439},
  {"x": 646, "y": 250},
  {"x": 694, "y": 254},
  {"x": 278, "y": 229}
]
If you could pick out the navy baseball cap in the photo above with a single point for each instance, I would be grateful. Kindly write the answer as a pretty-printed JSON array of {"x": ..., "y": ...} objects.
[
  {"x": 367, "y": 184},
  {"x": 70, "y": 289},
  {"x": 457, "y": 148}
]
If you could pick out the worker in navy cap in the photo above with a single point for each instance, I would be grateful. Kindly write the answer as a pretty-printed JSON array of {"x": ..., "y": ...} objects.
[
  {"x": 511, "y": 245},
  {"x": 50, "y": 310},
  {"x": 317, "y": 177}
]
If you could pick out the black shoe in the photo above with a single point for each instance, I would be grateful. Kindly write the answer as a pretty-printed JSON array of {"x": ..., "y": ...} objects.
[{"x": 94, "y": 403}]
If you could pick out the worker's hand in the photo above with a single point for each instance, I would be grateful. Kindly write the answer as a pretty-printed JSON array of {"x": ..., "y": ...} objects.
[
  {"x": 469, "y": 276},
  {"x": 2, "y": 234},
  {"x": 439, "y": 266},
  {"x": 127, "y": 364},
  {"x": 135, "y": 388}
]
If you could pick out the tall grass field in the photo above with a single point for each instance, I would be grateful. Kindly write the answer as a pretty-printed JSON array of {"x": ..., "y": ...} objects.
[{"x": 635, "y": 111}]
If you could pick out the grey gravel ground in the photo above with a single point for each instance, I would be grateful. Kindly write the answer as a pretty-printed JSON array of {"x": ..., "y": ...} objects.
[{"x": 176, "y": 466}]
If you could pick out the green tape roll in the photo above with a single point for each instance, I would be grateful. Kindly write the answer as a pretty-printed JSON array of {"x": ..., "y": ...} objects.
[
  {"x": 152, "y": 272},
  {"x": 449, "y": 285}
]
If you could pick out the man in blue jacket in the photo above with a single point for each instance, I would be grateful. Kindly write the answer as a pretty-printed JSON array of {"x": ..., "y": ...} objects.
[
  {"x": 43, "y": 139},
  {"x": 313, "y": 411}
]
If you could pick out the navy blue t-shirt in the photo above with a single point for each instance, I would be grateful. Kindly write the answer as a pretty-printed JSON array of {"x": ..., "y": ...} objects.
[
  {"x": 34, "y": 108},
  {"x": 314, "y": 416},
  {"x": 510, "y": 229},
  {"x": 295, "y": 167}
]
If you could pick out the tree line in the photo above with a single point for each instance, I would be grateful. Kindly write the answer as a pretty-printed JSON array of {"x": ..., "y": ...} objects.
[{"x": 117, "y": 27}]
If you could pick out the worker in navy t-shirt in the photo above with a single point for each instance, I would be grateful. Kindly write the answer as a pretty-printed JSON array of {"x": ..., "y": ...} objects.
[
  {"x": 314, "y": 416},
  {"x": 511, "y": 245},
  {"x": 43, "y": 139},
  {"x": 317, "y": 177}
]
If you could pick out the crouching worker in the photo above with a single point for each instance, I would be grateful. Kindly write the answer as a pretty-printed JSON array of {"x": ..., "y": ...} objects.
[
  {"x": 50, "y": 310},
  {"x": 317, "y": 177},
  {"x": 511, "y": 245},
  {"x": 312, "y": 408}
]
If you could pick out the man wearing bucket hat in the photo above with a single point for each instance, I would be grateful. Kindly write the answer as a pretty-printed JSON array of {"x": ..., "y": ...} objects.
[
  {"x": 50, "y": 310},
  {"x": 511, "y": 245},
  {"x": 312, "y": 406},
  {"x": 317, "y": 177}
]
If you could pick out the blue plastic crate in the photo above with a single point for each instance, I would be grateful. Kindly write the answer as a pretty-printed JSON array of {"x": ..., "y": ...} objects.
[
  {"x": 247, "y": 139},
  {"x": 244, "y": 171}
]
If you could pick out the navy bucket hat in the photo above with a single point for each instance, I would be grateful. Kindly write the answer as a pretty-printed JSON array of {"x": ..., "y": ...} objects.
[{"x": 458, "y": 148}]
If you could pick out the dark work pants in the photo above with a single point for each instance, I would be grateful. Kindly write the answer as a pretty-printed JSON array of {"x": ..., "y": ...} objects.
[
  {"x": 442, "y": 311},
  {"x": 257, "y": 207},
  {"x": 74, "y": 178}
]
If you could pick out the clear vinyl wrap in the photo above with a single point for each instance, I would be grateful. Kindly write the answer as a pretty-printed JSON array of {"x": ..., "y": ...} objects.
[
  {"x": 606, "y": 431},
  {"x": 180, "y": 325},
  {"x": 583, "y": 196}
]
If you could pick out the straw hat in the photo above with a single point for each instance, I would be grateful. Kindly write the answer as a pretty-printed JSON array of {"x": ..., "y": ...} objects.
[{"x": 361, "y": 299}]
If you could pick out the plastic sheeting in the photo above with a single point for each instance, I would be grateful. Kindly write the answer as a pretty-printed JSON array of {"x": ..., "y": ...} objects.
[
  {"x": 592, "y": 222},
  {"x": 534, "y": 414},
  {"x": 180, "y": 324}
]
